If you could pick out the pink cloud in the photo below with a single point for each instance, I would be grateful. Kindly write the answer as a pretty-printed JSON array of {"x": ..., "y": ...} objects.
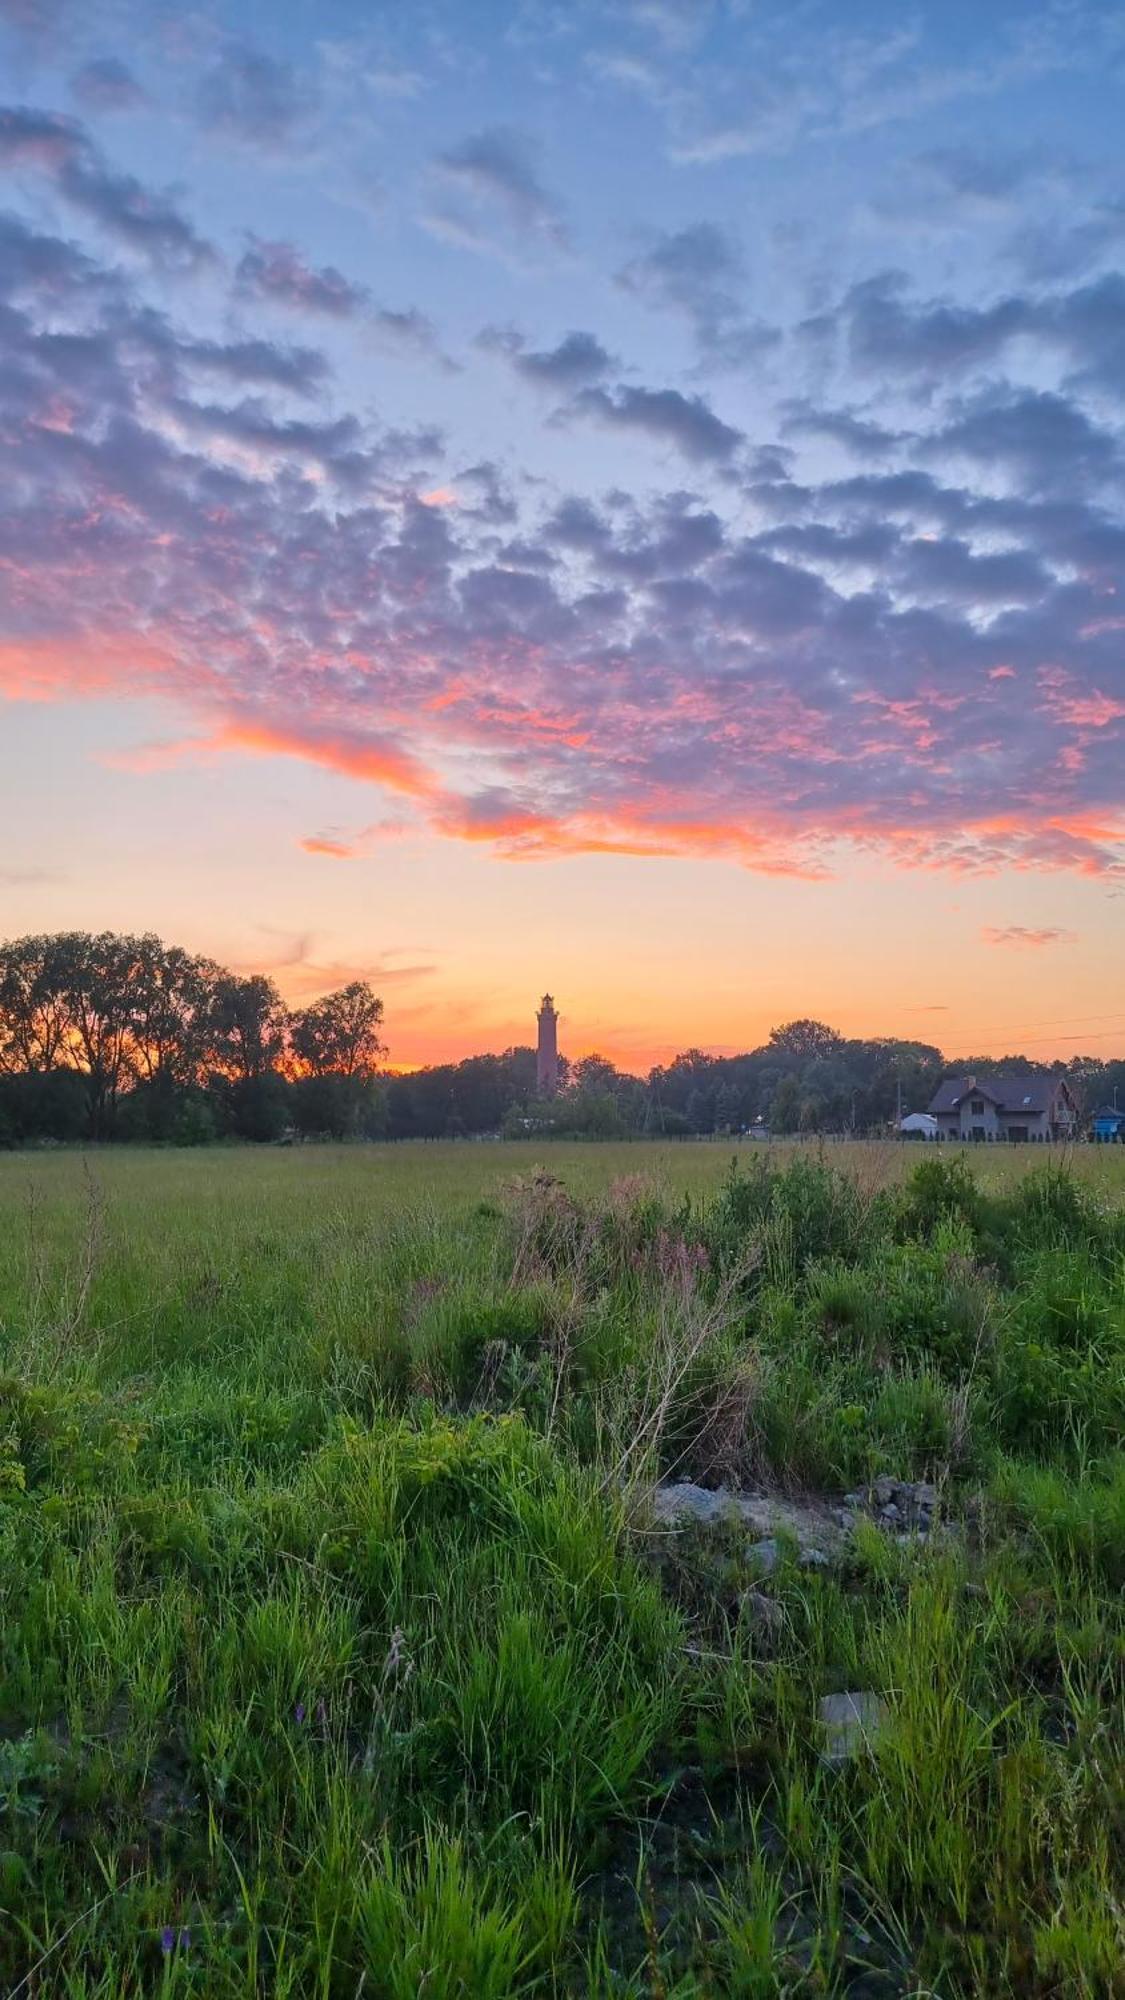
[
  {"x": 1024, "y": 937},
  {"x": 658, "y": 676}
]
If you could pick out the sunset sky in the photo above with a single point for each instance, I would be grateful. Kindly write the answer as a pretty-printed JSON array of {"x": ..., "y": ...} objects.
[{"x": 625, "y": 498}]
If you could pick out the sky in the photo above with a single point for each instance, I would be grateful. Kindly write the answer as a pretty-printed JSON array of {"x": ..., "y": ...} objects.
[{"x": 620, "y": 498}]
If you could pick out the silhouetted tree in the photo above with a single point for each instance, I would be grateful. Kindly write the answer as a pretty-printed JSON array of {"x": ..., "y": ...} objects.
[
  {"x": 33, "y": 1005},
  {"x": 246, "y": 1026},
  {"x": 172, "y": 1011},
  {"x": 100, "y": 978},
  {"x": 339, "y": 1035}
]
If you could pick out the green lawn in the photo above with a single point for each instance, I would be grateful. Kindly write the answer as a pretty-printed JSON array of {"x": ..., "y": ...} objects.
[{"x": 338, "y": 1654}]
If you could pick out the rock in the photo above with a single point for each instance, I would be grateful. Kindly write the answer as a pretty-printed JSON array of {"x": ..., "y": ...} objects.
[
  {"x": 810, "y": 1524},
  {"x": 766, "y": 1555},
  {"x": 687, "y": 1502},
  {"x": 899, "y": 1505},
  {"x": 850, "y": 1722},
  {"x": 760, "y": 1612}
]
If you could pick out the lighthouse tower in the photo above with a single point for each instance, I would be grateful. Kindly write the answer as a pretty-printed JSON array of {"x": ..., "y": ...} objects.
[{"x": 547, "y": 1066}]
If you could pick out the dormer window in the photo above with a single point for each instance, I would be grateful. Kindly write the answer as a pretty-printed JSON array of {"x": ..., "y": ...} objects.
[{"x": 977, "y": 1107}]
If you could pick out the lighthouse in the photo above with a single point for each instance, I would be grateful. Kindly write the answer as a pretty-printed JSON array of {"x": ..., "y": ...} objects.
[{"x": 547, "y": 1064}]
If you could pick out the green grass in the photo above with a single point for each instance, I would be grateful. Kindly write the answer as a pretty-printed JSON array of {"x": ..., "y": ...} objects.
[{"x": 336, "y": 1656}]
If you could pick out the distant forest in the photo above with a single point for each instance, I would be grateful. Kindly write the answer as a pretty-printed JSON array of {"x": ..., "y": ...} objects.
[{"x": 111, "y": 1038}]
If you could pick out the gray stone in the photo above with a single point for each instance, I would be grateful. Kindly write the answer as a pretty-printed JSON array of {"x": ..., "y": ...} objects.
[
  {"x": 850, "y": 1722},
  {"x": 766, "y": 1555},
  {"x": 680, "y": 1502},
  {"x": 761, "y": 1613},
  {"x": 891, "y": 1513},
  {"x": 814, "y": 1559},
  {"x": 687, "y": 1502}
]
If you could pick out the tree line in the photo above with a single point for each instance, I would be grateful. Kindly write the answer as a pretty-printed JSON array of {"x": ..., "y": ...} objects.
[
  {"x": 125, "y": 1038},
  {"x": 112, "y": 1037}
]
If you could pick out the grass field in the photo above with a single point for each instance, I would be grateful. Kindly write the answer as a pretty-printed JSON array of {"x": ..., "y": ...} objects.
[{"x": 339, "y": 1652}]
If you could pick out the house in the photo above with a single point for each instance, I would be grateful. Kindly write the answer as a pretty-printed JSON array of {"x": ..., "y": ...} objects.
[
  {"x": 1038, "y": 1106},
  {"x": 1108, "y": 1123}
]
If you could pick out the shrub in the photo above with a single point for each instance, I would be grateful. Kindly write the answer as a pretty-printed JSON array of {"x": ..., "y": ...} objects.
[
  {"x": 793, "y": 1216},
  {"x": 940, "y": 1190}
]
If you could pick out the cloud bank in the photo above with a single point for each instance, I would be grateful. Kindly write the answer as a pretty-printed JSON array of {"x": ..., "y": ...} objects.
[{"x": 740, "y": 651}]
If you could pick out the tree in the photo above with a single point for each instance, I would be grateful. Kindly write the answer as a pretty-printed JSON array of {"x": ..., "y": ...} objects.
[
  {"x": 700, "y": 1110},
  {"x": 726, "y": 1108},
  {"x": 596, "y": 1073},
  {"x": 246, "y": 1025},
  {"x": 99, "y": 978},
  {"x": 33, "y": 1006},
  {"x": 339, "y": 1035},
  {"x": 805, "y": 1039},
  {"x": 172, "y": 1005},
  {"x": 785, "y": 1106}
]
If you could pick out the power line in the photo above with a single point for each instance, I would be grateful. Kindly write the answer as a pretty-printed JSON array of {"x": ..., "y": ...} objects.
[
  {"x": 1103, "y": 1035},
  {"x": 971, "y": 1045},
  {"x": 1057, "y": 1020}
]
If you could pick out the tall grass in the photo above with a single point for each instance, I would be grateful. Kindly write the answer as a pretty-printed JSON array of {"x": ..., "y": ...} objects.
[{"x": 335, "y": 1655}]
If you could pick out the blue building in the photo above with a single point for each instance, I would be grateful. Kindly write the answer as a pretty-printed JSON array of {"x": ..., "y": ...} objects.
[{"x": 1108, "y": 1124}]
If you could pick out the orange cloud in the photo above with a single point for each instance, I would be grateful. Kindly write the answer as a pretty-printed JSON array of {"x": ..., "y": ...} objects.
[
  {"x": 355, "y": 756},
  {"x": 372, "y": 759},
  {"x": 339, "y": 849}
]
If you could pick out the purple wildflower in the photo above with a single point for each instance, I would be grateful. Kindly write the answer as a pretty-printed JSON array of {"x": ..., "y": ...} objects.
[
  {"x": 167, "y": 1940},
  {"x": 299, "y": 1711}
]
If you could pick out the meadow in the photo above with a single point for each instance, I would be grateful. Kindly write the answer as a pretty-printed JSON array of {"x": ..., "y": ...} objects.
[{"x": 345, "y": 1650}]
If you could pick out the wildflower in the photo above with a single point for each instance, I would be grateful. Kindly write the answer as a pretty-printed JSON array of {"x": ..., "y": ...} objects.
[
  {"x": 167, "y": 1940},
  {"x": 299, "y": 1712}
]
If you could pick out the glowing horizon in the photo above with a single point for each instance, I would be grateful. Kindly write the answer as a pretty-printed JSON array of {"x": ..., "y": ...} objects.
[{"x": 680, "y": 565}]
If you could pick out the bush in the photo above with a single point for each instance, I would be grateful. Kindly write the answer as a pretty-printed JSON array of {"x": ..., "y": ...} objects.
[
  {"x": 256, "y": 1107},
  {"x": 337, "y": 1107},
  {"x": 940, "y": 1190},
  {"x": 794, "y": 1215},
  {"x": 1079, "y": 1519},
  {"x": 50, "y": 1105}
]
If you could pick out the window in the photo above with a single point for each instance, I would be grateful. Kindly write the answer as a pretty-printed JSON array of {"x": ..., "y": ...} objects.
[{"x": 977, "y": 1107}]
